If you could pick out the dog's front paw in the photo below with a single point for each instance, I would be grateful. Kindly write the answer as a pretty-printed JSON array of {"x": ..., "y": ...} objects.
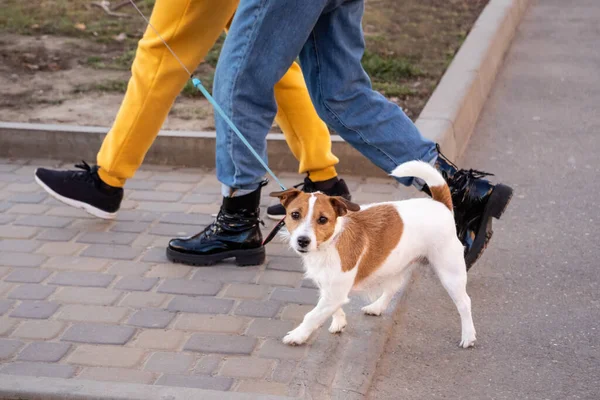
[
  {"x": 372, "y": 309},
  {"x": 468, "y": 340},
  {"x": 337, "y": 325},
  {"x": 296, "y": 337}
]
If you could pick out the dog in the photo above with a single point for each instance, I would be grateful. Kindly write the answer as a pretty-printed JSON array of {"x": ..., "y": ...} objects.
[{"x": 346, "y": 247}]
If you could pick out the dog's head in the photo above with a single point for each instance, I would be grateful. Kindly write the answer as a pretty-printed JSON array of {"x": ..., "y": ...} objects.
[{"x": 311, "y": 217}]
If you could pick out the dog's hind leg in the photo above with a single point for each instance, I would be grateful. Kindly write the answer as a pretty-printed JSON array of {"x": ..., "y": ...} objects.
[
  {"x": 338, "y": 322},
  {"x": 392, "y": 286},
  {"x": 449, "y": 264}
]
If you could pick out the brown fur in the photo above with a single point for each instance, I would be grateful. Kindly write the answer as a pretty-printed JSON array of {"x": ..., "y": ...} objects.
[
  {"x": 375, "y": 231},
  {"x": 442, "y": 194}
]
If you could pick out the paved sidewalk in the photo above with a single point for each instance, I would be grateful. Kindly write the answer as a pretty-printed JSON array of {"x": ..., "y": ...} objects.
[
  {"x": 89, "y": 299},
  {"x": 536, "y": 290}
]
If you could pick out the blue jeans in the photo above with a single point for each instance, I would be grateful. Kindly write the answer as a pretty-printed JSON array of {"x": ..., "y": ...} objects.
[{"x": 265, "y": 38}]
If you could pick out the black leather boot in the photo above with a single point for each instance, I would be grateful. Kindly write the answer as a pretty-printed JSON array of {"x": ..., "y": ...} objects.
[
  {"x": 235, "y": 233},
  {"x": 476, "y": 201}
]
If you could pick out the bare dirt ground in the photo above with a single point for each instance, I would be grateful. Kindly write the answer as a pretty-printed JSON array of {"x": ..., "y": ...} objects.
[{"x": 68, "y": 62}]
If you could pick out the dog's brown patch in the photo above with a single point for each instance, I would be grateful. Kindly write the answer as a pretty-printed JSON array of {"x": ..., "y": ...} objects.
[
  {"x": 298, "y": 203},
  {"x": 442, "y": 194},
  {"x": 372, "y": 233}
]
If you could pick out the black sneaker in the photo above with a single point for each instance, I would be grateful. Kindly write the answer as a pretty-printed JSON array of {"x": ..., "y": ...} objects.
[
  {"x": 82, "y": 189},
  {"x": 340, "y": 188}
]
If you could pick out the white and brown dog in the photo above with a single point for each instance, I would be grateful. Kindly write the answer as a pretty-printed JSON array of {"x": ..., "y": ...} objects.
[{"x": 374, "y": 247}]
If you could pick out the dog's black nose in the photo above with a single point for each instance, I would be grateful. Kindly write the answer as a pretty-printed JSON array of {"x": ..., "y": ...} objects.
[{"x": 303, "y": 241}]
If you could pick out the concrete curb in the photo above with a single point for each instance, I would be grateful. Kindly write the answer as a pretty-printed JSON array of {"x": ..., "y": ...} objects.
[
  {"x": 36, "y": 388},
  {"x": 448, "y": 118},
  {"x": 343, "y": 367}
]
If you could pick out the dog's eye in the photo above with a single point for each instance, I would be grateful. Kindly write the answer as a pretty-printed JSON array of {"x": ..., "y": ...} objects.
[
  {"x": 295, "y": 215},
  {"x": 322, "y": 220}
]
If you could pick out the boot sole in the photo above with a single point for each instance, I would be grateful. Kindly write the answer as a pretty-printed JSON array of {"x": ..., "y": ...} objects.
[
  {"x": 242, "y": 257},
  {"x": 497, "y": 204},
  {"x": 96, "y": 212}
]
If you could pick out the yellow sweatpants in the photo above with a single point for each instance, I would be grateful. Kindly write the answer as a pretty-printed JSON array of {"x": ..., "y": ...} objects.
[{"x": 191, "y": 27}]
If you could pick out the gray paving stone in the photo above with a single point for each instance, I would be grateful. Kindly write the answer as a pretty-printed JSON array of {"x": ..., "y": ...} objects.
[
  {"x": 4, "y": 205},
  {"x": 116, "y": 375},
  {"x": 246, "y": 367},
  {"x": 156, "y": 255},
  {"x": 9, "y": 347},
  {"x": 28, "y": 209},
  {"x": 284, "y": 371},
  {"x": 175, "y": 187},
  {"x": 280, "y": 278},
  {"x": 160, "y": 206},
  {"x": 136, "y": 283},
  {"x": 247, "y": 291},
  {"x": 226, "y": 274},
  {"x": 223, "y": 344},
  {"x": 28, "y": 198},
  {"x": 256, "y": 308},
  {"x": 76, "y": 263},
  {"x": 17, "y": 232},
  {"x": 208, "y": 364},
  {"x": 35, "y": 309},
  {"x": 175, "y": 230},
  {"x": 130, "y": 227},
  {"x": 136, "y": 184},
  {"x": 111, "y": 251},
  {"x": 31, "y": 292},
  {"x": 128, "y": 268},
  {"x": 39, "y": 369},
  {"x": 80, "y": 278},
  {"x": 186, "y": 219},
  {"x": 5, "y": 219},
  {"x": 194, "y": 288},
  {"x": 285, "y": 264},
  {"x": 44, "y": 221},
  {"x": 299, "y": 296},
  {"x": 19, "y": 245},
  {"x": 196, "y": 381},
  {"x": 98, "y": 334},
  {"x": 57, "y": 235},
  {"x": 107, "y": 238},
  {"x": 92, "y": 313},
  {"x": 11, "y": 259},
  {"x": 44, "y": 351},
  {"x": 136, "y": 215},
  {"x": 27, "y": 275},
  {"x": 151, "y": 318},
  {"x": 275, "y": 328},
  {"x": 86, "y": 295},
  {"x": 274, "y": 348},
  {"x": 5, "y": 305},
  {"x": 201, "y": 198},
  {"x": 309, "y": 283},
  {"x": 201, "y": 305},
  {"x": 176, "y": 176},
  {"x": 153, "y": 195},
  {"x": 172, "y": 363}
]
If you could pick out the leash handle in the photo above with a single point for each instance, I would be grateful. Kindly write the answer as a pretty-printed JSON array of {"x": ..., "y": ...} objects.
[{"x": 198, "y": 85}]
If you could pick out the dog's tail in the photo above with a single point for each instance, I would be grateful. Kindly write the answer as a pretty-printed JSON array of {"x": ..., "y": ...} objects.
[{"x": 434, "y": 180}]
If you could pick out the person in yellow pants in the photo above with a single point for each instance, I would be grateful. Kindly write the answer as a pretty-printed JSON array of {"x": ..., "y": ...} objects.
[{"x": 191, "y": 27}]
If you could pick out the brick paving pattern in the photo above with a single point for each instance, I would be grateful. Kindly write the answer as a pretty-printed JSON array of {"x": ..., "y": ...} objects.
[{"x": 83, "y": 298}]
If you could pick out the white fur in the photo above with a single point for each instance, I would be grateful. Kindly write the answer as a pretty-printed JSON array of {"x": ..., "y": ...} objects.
[
  {"x": 428, "y": 232},
  {"x": 419, "y": 169}
]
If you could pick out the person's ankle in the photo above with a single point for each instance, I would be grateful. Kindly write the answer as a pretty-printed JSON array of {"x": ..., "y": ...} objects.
[
  {"x": 107, "y": 183},
  {"x": 325, "y": 185}
]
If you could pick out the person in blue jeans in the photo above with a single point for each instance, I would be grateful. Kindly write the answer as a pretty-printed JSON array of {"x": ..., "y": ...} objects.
[{"x": 265, "y": 37}]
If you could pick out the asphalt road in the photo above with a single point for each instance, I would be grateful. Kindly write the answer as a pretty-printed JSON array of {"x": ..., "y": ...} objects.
[{"x": 535, "y": 293}]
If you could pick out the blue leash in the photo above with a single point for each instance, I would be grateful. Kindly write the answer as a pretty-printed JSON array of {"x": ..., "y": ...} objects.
[{"x": 198, "y": 85}]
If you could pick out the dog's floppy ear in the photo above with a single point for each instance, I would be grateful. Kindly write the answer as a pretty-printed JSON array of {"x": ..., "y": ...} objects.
[
  {"x": 342, "y": 206},
  {"x": 286, "y": 196}
]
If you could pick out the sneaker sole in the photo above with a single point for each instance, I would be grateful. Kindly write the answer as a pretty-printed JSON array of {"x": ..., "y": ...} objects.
[
  {"x": 275, "y": 217},
  {"x": 497, "y": 204},
  {"x": 242, "y": 257},
  {"x": 96, "y": 212}
]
